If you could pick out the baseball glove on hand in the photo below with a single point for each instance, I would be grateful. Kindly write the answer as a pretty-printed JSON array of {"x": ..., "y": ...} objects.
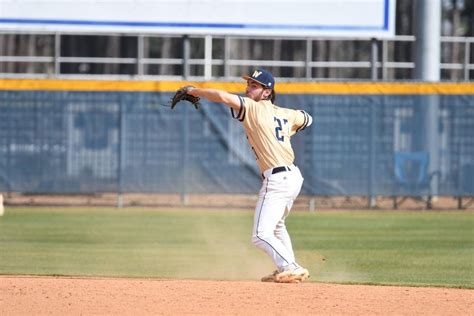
[{"x": 182, "y": 94}]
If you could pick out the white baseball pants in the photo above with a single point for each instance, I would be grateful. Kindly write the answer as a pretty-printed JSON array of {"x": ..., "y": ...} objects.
[{"x": 275, "y": 199}]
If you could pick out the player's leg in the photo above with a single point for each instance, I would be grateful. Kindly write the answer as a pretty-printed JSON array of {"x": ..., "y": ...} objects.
[
  {"x": 295, "y": 183},
  {"x": 291, "y": 274},
  {"x": 282, "y": 233},
  {"x": 295, "y": 273},
  {"x": 270, "y": 210}
]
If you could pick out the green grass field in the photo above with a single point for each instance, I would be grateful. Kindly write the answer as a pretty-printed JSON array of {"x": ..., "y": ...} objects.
[{"x": 403, "y": 248}]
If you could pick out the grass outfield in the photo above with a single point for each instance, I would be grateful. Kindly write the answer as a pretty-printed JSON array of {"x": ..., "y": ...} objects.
[{"x": 403, "y": 248}]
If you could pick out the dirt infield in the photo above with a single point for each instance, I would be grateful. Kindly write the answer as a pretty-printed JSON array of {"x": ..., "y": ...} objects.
[{"x": 93, "y": 296}]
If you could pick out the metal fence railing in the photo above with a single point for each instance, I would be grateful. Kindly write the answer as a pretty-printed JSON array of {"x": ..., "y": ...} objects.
[{"x": 226, "y": 57}]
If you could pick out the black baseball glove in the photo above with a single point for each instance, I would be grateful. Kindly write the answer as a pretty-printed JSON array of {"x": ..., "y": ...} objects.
[{"x": 182, "y": 94}]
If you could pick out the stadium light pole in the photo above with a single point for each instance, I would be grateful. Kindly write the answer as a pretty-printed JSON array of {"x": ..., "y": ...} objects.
[
  {"x": 428, "y": 40},
  {"x": 185, "y": 126},
  {"x": 374, "y": 76},
  {"x": 427, "y": 68}
]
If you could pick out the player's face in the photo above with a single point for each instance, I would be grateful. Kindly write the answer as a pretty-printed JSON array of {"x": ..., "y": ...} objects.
[{"x": 256, "y": 91}]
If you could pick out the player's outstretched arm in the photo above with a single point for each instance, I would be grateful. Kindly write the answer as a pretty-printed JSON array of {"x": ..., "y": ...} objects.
[{"x": 215, "y": 95}]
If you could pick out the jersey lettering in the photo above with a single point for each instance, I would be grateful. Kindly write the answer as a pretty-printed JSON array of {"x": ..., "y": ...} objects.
[{"x": 279, "y": 128}]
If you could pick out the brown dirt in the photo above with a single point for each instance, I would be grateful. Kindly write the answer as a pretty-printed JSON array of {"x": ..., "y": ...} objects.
[
  {"x": 302, "y": 203},
  {"x": 93, "y": 296}
]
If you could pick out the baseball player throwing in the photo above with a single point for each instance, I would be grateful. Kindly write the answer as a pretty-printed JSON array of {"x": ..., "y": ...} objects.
[{"x": 268, "y": 128}]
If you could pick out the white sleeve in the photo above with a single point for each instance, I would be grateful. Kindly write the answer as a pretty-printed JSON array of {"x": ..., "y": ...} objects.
[{"x": 310, "y": 120}]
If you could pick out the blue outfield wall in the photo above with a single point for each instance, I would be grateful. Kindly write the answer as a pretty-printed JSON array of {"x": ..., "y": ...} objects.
[{"x": 360, "y": 144}]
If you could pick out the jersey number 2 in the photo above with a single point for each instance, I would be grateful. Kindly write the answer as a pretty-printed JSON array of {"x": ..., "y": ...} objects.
[{"x": 279, "y": 128}]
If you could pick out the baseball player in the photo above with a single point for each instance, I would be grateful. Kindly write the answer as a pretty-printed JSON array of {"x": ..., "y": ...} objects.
[{"x": 268, "y": 128}]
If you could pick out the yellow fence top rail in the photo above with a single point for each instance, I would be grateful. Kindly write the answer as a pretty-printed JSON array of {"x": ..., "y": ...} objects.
[{"x": 239, "y": 87}]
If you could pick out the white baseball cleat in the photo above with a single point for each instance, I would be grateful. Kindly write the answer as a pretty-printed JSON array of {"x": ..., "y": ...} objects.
[{"x": 295, "y": 275}]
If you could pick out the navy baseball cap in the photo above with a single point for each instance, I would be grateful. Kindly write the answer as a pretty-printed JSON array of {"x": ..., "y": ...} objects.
[{"x": 263, "y": 77}]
